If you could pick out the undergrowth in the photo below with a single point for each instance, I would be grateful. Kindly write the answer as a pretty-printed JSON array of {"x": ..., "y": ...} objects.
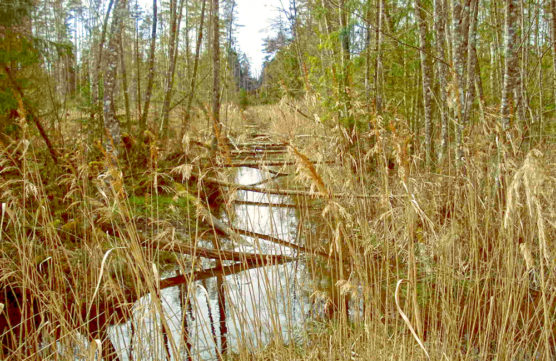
[{"x": 473, "y": 242}]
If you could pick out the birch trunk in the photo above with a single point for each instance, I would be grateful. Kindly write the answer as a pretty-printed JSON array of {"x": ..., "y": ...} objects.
[
  {"x": 426, "y": 71},
  {"x": 217, "y": 141},
  {"x": 378, "y": 63},
  {"x": 471, "y": 61},
  {"x": 510, "y": 64},
  {"x": 125, "y": 85},
  {"x": 216, "y": 70},
  {"x": 441, "y": 69},
  {"x": 368, "y": 51},
  {"x": 459, "y": 47},
  {"x": 553, "y": 6},
  {"x": 137, "y": 67},
  {"x": 150, "y": 80},
  {"x": 479, "y": 87},
  {"x": 111, "y": 123},
  {"x": 193, "y": 81},
  {"x": 174, "y": 29},
  {"x": 345, "y": 59},
  {"x": 95, "y": 96}
]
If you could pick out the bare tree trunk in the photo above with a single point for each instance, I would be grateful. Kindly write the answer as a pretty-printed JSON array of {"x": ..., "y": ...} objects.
[
  {"x": 150, "y": 80},
  {"x": 479, "y": 86},
  {"x": 217, "y": 141},
  {"x": 216, "y": 71},
  {"x": 368, "y": 51},
  {"x": 193, "y": 81},
  {"x": 426, "y": 71},
  {"x": 553, "y": 6},
  {"x": 459, "y": 48},
  {"x": 440, "y": 31},
  {"x": 95, "y": 93},
  {"x": 378, "y": 49},
  {"x": 510, "y": 64},
  {"x": 345, "y": 59},
  {"x": 111, "y": 123},
  {"x": 137, "y": 67},
  {"x": 125, "y": 84},
  {"x": 471, "y": 61},
  {"x": 172, "y": 51}
]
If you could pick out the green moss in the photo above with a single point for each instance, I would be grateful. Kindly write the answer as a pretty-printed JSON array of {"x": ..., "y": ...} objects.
[{"x": 164, "y": 205}]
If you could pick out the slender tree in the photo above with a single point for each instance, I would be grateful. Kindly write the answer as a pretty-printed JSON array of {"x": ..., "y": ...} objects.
[
  {"x": 459, "y": 47},
  {"x": 95, "y": 92},
  {"x": 378, "y": 62},
  {"x": 426, "y": 78},
  {"x": 111, "y": 123},
  {"x": 175, "y": 15},
  {"x": 344, "y": 59},
  {"x": 553, "y": 8},
  {"x": 442, "y": 71},
  {"x": 368, "y": 33},
  {"x": 471, "y": 63},
  {"x": 193, "y": 79},
  {"x": 137, "y": 62},
  {"x": 125, "y": 85},
  {"x": 511, "y": 63},
  {"x": 151, "y": 68},
  {"x": 218, "y": 142},
  {"x": 216, "y": 69}
]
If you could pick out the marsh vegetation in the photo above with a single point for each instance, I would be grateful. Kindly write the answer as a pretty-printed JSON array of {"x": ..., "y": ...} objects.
[{"x": 385, "y": 189}]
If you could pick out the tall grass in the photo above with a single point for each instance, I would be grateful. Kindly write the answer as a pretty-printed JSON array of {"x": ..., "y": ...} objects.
[{"x": 474, "y": 244}]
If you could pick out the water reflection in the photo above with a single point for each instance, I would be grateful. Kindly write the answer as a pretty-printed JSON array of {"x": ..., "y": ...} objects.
[{"x": 262, "y": 304}]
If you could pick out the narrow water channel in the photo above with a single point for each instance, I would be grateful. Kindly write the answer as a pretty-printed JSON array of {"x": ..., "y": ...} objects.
[{"x": 263, "y": 304}]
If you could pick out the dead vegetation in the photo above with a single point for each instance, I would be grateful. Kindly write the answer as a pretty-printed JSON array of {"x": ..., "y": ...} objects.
[{"x": 475, "y": 243}]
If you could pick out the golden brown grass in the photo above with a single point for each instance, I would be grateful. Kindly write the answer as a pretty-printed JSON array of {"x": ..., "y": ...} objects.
[{"x": 476, "y": 243}]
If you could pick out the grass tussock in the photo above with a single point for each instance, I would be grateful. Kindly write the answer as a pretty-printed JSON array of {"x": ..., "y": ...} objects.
[{"x": 473, "y": 242}]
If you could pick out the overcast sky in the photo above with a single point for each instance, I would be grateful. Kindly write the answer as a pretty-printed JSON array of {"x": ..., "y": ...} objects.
[{"x": 255, "y": 17}]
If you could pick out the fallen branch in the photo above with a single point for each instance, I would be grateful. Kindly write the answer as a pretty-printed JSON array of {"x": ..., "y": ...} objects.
[
  {"x": 260, "y": 145},
  {"x": 21, "y": 97},
  {"x": 215, "y": 222},
  {"x": 288, "y": 192},
  {"x": 222, "y": 255},
  {"x": 258, "y": 152},
  {"x": 265, "y": 204},
  {"x": 281, "y": 242},
  {"x": 219, "y": 270},
  {"x": 258, "y": 164}
]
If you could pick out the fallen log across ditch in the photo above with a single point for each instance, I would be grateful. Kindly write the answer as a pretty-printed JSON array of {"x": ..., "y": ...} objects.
[
  {"x": 269, "y": 163},
  {"x": 291, "y": 192},
  {"x": 264, "y": 204},
  {"x": 221, "y": 270},
  {"x": 223, "y": 255}
]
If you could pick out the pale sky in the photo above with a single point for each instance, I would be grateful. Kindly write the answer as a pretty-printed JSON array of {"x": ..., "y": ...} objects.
[{"x": 255, "y": 17}]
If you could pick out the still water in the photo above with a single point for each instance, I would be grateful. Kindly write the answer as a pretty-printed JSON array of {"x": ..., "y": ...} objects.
[{"x": 263, "y": 304}]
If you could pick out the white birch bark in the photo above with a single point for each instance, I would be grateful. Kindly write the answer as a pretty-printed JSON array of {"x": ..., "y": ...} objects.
[
  {"x": 175, "y": 17},
  {"x": 150, "y": 80},
  {"x": 378, "y": 49},
  {"x": 511, "y": 74},
  {"x": 111, "y": 123},
  {"x": 442, "y": 71},
  {"x": 553, "y": 8},
  {"x": 426, "y": 79},
  {"x": 95, "y": 93}
]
